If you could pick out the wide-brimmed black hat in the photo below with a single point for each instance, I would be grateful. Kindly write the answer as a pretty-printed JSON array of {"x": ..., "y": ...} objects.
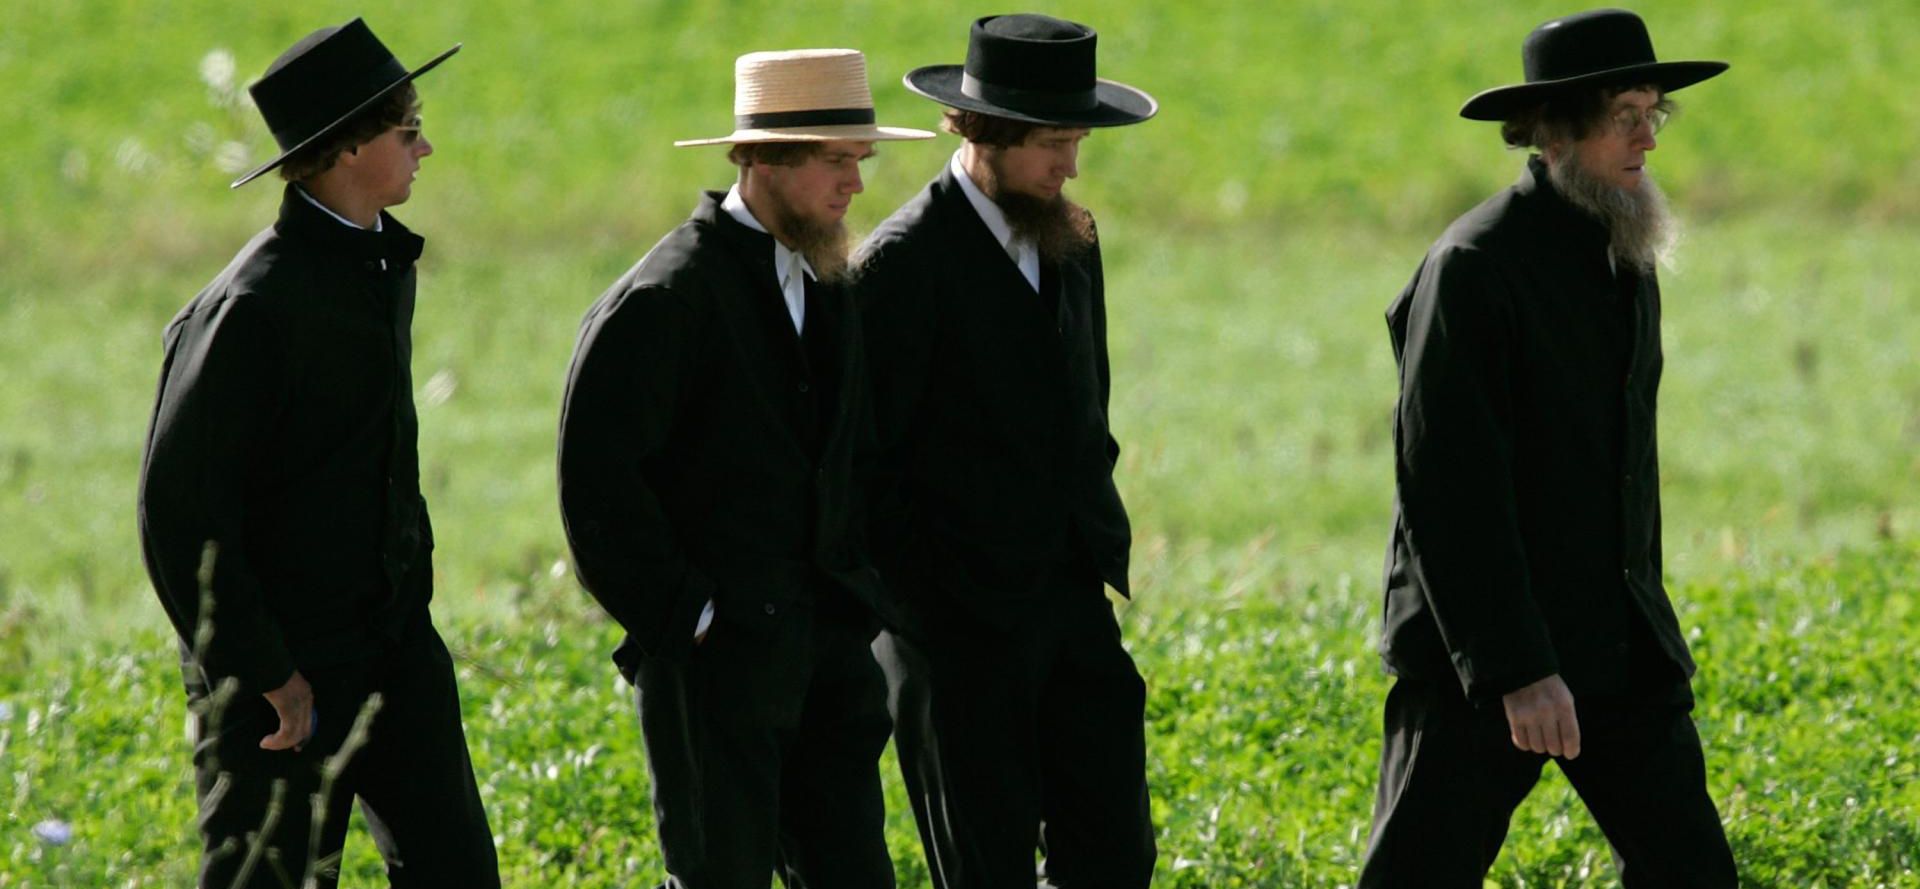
[
  {"x": 322, "y": 82},
  {"x": 1036, "y": 69},
  {"x": 1603, "y": 47}
]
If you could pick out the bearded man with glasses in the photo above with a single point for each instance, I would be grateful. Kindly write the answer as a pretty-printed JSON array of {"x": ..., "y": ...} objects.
[{"x": 1525, "y": 615}]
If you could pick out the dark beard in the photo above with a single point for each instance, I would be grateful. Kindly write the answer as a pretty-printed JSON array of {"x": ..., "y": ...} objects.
[
  {"x": 1641, "y": 232},
  {"x": 1059, "y": 228},
  {"x": 824, "y": 245}
]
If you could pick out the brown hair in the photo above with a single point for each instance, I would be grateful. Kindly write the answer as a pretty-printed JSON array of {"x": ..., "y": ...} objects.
[
  {"x": 1568, "y": 117},
  {"x": 779, "y": 154},
  {"x": 394, "y": 109},
  {"x": 986, "y": 129}
]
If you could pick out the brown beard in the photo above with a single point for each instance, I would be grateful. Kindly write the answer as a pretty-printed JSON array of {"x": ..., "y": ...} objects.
[
  {"x": 824, "y": 245},
  {"x": 1641, "y": 231},
  {"x": 1059, "y": 228}
]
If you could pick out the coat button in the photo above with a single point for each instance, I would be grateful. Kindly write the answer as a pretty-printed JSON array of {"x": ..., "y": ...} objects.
[{"x": 769, "y": 608}]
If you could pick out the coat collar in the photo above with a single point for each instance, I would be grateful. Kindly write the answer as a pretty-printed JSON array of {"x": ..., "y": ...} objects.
[
  {"x": 736, "y": 206},
  {"x": 754, "y": 244},
  {"x": 301, "y": 221},
  {"x": 1566, "y": 222},
  {"x": 973, "y": 233}
]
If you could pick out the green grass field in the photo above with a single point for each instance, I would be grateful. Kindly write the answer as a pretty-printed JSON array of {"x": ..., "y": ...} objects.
[{"x": 1254, "y": 232}]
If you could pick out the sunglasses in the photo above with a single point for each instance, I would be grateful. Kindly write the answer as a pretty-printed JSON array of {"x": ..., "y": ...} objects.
[{"x": 409, "y": 131}]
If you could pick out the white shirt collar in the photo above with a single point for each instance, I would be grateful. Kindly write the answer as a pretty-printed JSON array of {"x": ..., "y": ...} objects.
[
  {"x": 736, "y": 206},
  {"x": 329, "y": 211}
]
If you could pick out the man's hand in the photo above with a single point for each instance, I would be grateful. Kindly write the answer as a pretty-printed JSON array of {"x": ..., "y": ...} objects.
[
  {"x": 294, "y": 702},
  {"x": 1542, "y": 719}
]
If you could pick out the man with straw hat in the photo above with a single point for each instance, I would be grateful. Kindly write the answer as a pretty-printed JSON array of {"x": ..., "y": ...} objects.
[
  {"x": 714, "y": 413},
  {"x": 1526, "y": 619},
  {"x": 1019, "y": 716},
  {"x": 280, "y": 507}
]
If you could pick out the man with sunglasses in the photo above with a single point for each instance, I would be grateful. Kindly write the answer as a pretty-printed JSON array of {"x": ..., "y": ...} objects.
[
  {"x": 1525, "y": 616},
  {"x": 280, "y": 509}
]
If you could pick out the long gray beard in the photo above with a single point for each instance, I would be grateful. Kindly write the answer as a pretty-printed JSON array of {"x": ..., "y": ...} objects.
[{"x": 1641, "y": 231}]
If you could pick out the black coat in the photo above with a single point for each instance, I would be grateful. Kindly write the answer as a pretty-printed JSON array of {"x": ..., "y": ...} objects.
[
  {"x": 707, "y": 451},
  {"x": 995, "y": 466},
  {"x": 284, "y": 431},
  {"x": 1526, "y": 537}
]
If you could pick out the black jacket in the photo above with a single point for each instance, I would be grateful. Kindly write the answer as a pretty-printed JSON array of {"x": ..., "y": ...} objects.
[
  {"x": 1526, "y": 537},
  {"x": 284, "y": 432},
  {"x": 995, "y": 466},
  {"x": 707, "y": 451}
]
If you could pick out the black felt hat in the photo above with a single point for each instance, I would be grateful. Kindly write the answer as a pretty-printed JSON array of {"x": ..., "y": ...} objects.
[
  {"x": 1033, "y": 68},
  {"x": 1603, "y": 47},
  {"x": 322, "y": 82}
]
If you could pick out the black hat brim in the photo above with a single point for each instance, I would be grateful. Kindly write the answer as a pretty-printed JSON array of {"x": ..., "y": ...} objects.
[
  {"x": 382, "y": 93},
  {"x": 1117, "y": 104},
  {"x": 1500, "y": 103}
]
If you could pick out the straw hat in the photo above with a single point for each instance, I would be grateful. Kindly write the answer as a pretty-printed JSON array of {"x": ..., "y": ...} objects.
[{"x": 804, "y": 95}]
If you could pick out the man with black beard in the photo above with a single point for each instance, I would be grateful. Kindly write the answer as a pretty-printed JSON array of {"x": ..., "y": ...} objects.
[
  {"x": 997, "y": 526},
  {"x": 1526, "y": 617},
  {"x": 707, "y": 462}
]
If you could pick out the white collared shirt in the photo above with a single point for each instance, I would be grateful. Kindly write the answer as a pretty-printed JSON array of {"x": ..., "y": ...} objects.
[
  {"x": 787, "y": 265},
  {"x": 329, "y": 211},
  {"x": 1021, "y": 250}
]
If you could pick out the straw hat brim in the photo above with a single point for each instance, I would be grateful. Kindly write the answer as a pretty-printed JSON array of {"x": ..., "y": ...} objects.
[
  {"x": 365, "y": 104},
  {"x": 846, "y": 132}
]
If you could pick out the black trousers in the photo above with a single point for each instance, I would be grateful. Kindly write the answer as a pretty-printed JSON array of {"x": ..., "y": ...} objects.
[
  {"x": 1024, "y": 734},
  {"x": 741, "y": 792},
  {"x": 413, "y": 778},
  {"x": 1450, "y": 779}
]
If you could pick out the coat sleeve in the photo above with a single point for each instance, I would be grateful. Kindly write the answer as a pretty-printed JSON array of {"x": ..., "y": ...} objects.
[
  {"x": 866, "y": 443},
  {"x": 1102, "y": 368},
  {"x": 632, "y": 372},
  {"x": 899, "y": 321},
  {"x": 220, "y": 393},
  {"x": 1455, "y": 474}
]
